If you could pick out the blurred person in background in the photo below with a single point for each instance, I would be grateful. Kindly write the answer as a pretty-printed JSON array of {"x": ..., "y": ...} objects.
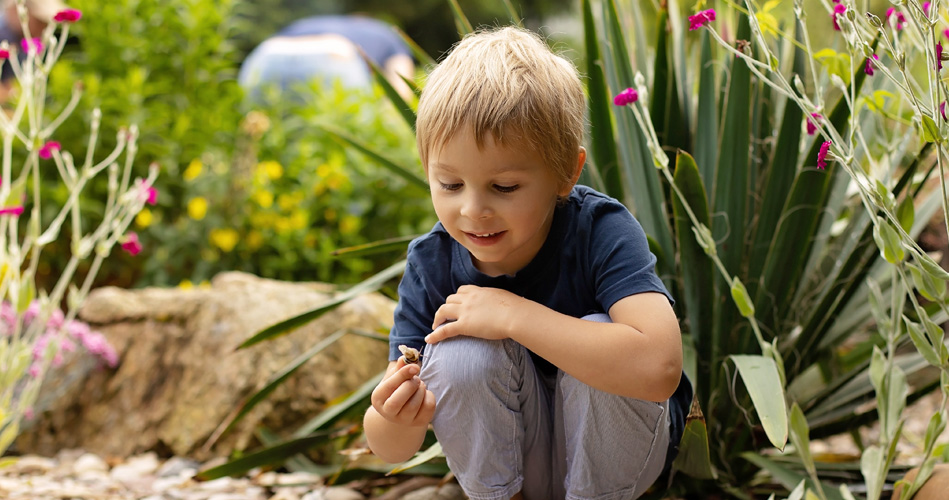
[{"x": 328, "y": 48}]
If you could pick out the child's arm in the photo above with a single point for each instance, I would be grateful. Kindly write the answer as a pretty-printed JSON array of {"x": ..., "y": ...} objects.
[
  {"x": 639, "y": 355},
  {"x": 402, "y": 408}
]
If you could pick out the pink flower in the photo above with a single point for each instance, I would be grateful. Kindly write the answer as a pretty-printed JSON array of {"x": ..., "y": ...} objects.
[
  {"x": 625, "y": 97},
  {"x": 926, "y": 8},
  {"x": 900, "y": 18},
  {"x": 698, "y": 20},
  {"x": 822, "y": 155},
  {"x": 868, "y": 69},
  {"x": 131, "y": 244},
  {"x": 15, "y": 210},
  {"x": 67, "y": 16},
  {"x": 839, "y": 10},
  {"x": 46, "y": 152},
  {"x": 31, "y": 45},
  {"x": 35, "y": 370},
  {"x": 4, "y": 54},
  {"x": 945, "y": 32},
  {"x": 811, "y": 125},
  {"x": 942, "y": 110},
  {"x": 28, "y": 413},
  {"x": 149, "y": 193}
]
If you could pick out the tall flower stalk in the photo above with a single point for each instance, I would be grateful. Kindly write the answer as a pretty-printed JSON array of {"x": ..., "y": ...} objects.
[{"x": 34, "y": 330}]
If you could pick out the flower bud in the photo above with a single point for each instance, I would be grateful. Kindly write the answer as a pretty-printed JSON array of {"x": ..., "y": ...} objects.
[{"x": 874, "y": 21}]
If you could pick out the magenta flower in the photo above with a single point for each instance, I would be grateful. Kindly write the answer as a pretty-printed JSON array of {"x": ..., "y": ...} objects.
[
  {"x": 926, "y": 9},
  {"x": 149, "y": 193},
  {"x": 811, "y": 125},
  {"x": 46, "y": 152},
  {"x": 698, "y": 20},
  {"x": 625, "y": 97},
  {"x": 945, "y": 32},
  {"x": 822, "y": 155},
  {"x": 15, "y": 211},
  {"x": 900, "y": 18},
  {"x": 868, "y": 69},
  {"x": 5, "y": 54},
  {"x": 942, "y": 110},
  {"x": 131, "y": 244},
  {"x": 839, "y": 10},
  {"x": 31, "y": 45},
  {"x": 67, "y": 16},
  {"x": 35, "y": 370}
]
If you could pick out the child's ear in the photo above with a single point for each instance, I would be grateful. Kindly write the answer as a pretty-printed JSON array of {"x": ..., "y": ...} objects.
[{"x": 581, "y": 159}]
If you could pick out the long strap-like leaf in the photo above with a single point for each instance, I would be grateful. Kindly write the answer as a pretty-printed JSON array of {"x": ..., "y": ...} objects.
[
  {"x": 288, "y": 325},
  {"x": 602, "y": 143}
]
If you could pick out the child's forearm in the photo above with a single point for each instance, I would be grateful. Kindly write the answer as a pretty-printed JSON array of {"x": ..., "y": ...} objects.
[{"x": 391, "y": 442}]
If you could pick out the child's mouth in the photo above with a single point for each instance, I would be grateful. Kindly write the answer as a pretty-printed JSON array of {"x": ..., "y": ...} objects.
[{"x": 485, "y": 238}]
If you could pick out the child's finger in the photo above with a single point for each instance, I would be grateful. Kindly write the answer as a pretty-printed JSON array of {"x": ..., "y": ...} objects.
[
  {"x": 400, "y": 396},
  {"x": 446, "y": 330},
  {"x": 411, "y": 407},
  {"x": 388, "y": 386}
]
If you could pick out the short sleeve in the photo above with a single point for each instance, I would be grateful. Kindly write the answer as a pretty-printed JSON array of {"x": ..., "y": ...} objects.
[
  {"x": 621, "y": 262},
  {"x": 413, "y": 314}
]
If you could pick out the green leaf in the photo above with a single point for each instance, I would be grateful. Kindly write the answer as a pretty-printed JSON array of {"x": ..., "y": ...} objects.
[
  {"x": 922, "y": 345},
  {"x": 402, "y": 171},
  {"x": 329, "y": 415},
  {"x": 760, "y": 375},
  {"x": 267, "y": 456},
  {"x": 931, "y": 267},
  {"x": 461, "y": 21},
  {"x": 706, "y": 145},
  {"x": 930, "y": 130},
  {"x": 275, "y": 381},
  {"x": 888, "y": 241},
  {"x": 405, "y": 110},
  {"x": 432, "y": 452},
  {"x": 871, "y": 466},
  {"x": 286, "y": 326},
  {"x": 602, "y": 142},
  {"x": 694, "y": 458},
  {"x": 928, "y": 287},
  {"x": 906, "y": 213},
  {"x": 784, "y": 475},
  {"x": 697, "y": 271},
  {"x": 376, "y": 247},
  {"x": 800, "y": 437}
]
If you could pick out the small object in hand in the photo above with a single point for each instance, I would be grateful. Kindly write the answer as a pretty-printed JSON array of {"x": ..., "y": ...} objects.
[{"x": 409, "y": 354}]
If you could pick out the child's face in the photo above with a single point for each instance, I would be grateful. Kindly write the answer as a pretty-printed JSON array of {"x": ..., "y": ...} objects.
[{"x": 497, "y": 201}]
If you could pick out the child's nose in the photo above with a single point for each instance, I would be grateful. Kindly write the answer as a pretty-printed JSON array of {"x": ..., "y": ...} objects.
[{"x": 475, "y": 207}]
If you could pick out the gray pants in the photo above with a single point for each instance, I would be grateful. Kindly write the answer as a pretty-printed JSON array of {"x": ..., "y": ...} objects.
[{"x": 505, "y": 428}]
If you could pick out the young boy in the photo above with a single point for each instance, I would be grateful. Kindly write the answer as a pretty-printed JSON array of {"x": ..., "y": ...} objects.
[{"x": 550, "y": 345}]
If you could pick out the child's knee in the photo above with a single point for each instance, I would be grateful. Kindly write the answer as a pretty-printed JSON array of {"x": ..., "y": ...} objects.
[{"x": 461, "y": 362}]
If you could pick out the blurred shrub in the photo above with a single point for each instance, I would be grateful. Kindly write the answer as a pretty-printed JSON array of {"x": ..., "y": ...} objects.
[
  {"x": 292, "y": 194},
  {"x": 274, "y": 199}
]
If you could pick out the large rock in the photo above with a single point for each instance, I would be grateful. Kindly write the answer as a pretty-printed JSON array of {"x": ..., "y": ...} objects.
[{"x": 179, "y": 375}]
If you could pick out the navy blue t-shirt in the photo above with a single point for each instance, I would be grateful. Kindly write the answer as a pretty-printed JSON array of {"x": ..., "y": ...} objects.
[{"x": 595, "y": 254}]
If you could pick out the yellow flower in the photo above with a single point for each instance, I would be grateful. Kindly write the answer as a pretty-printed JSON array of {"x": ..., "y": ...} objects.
[
  {"x": 254, "y": 240},
  {"x": 198, "y": 207},
  {"x": 349, "y": 224},
  {"x": 144, "y": 218},
  {"x": 286, "y": 202},
  {"x": 224, "y": 238},
  {"x": 186, "y": 285},
  {"x": 282, "y": 225},
  {"x": 193, "y": 170},
  {"x": 204, "y": 285},
  {"x": 264, "y": 198},
  {"x": 271, "y": 168},
  {"x": 298, "y": 219}
]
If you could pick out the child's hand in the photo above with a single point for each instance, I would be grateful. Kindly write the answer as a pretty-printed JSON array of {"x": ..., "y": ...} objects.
[
  {"x": 402, "y": 398},
  {"x": 476, "y": 312}
]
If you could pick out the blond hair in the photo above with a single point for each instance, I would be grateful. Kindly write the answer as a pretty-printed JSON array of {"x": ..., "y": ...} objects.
[{"x": 506, "y": 82}]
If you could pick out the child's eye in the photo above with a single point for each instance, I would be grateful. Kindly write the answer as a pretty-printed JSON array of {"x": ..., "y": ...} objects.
[
  {"x": 451, "y": 187},
  {"x": 506, "y": 189}
]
